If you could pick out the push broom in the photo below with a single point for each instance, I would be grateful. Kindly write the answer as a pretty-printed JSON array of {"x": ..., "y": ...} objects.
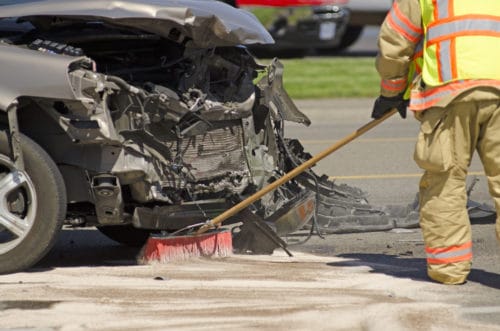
[{"x": 219, "y": 242}]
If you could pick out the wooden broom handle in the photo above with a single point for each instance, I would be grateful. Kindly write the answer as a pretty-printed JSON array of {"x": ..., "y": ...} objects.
[{"x": 292, "y": 173}]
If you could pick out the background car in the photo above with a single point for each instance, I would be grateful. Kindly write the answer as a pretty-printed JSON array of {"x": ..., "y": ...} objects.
[
  {"x": 298, "y": 26},
  {"x": 362, "y": 13},
  {"x": 301, "y": 27}
]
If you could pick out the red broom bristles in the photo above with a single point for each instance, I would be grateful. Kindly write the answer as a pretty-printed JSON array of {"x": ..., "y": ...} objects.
[{"x": 179, "y": 248}]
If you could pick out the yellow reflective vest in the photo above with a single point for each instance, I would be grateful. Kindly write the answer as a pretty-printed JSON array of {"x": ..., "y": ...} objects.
[
  {"x": 461, "y": 40},
  {"x": 437, "y": 53}
]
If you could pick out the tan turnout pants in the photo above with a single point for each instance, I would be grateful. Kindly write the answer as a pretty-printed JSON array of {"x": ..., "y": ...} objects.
[{"x": 447, "y": 140}]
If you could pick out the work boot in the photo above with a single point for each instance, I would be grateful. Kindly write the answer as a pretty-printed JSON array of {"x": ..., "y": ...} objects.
[{"x": 449, "y": 274}]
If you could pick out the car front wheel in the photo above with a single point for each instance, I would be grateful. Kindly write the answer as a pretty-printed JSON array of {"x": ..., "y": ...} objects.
[{"x": 32, "y": 206}]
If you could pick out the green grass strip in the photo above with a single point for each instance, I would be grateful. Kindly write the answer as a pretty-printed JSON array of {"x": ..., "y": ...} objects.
[{"x": 334, "y": 77}]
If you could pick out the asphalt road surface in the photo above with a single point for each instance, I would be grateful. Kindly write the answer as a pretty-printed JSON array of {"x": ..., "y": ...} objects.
[{"x": 363, "y": 281}]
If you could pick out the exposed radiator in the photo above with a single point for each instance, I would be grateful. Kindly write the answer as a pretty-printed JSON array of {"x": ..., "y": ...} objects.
[{"x": 214, "y": 153}]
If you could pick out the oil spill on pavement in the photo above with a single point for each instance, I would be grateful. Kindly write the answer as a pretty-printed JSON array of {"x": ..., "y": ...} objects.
[{"x": 27, "y": 304}]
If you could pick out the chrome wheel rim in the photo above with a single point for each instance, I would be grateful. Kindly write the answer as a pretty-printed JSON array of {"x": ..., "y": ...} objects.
[{"x": 18, "y": 205}]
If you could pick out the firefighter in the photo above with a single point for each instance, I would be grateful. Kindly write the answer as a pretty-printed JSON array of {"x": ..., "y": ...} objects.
[{"x": 456, "y": 97}]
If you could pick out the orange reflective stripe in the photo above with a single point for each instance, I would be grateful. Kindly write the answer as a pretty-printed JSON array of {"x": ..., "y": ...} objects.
[
  {"x": 453, "y": 59},
  {"x": 436, "y": 10},
  {"x": 423, "y": 100},
  {"x": 453, "y": 248},
  {"x": 463, "y": 34},
  {"x": 464, "y": 17},
  {"x": 464, "y": 25},
  {"x": 451, "y": 8},
  {"x": 399, "y": 22},
  {"x": 438, "y": 62},
  {"x": 467, "y": 257},
  {"x": 409, "y": 24},
  {"x": 450, "y": 254},
  {"x": 418, "y": 68},
  {"x": 393, "y": 85}
]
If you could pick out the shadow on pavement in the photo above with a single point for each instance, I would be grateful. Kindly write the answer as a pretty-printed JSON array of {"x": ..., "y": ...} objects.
[
  {"x": 86, "y": 248},
  {"x": 412, "y": 268},
  {"x": 485, "y": 278}
]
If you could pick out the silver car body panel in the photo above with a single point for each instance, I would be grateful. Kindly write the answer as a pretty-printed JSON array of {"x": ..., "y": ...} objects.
[
  {"x": 208, "y": 23},
  {"x": 49, "y": 78}
]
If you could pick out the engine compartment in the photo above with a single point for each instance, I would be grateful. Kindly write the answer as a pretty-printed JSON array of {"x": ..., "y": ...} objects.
[{"x": 160, "y": 124}]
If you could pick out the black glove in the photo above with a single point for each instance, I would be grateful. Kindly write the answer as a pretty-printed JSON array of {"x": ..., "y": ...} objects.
[{"x": 384, "y": 104}]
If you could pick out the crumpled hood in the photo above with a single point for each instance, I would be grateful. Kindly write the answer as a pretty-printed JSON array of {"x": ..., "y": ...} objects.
[{"x": 207, "y": 22}]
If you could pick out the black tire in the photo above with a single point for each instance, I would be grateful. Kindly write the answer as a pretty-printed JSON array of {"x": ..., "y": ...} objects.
[
  {"x": 43, "y": 210},
  {"x": 126, "y": 234},
  {"x": 351, "y": 35}
]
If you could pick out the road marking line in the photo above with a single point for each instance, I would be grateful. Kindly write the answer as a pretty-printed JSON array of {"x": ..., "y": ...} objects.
[
  {"x": 365, "y": 140},
  {"x": 481, "y": 310},
  {"x": 387, "y": 176}
]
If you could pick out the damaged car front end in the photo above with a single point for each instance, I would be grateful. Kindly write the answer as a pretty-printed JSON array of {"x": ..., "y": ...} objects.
[{"x": 137, "y": 117}]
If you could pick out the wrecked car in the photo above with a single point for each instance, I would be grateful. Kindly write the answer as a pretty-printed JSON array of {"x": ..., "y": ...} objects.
[{"x": 139, "y": 117}]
